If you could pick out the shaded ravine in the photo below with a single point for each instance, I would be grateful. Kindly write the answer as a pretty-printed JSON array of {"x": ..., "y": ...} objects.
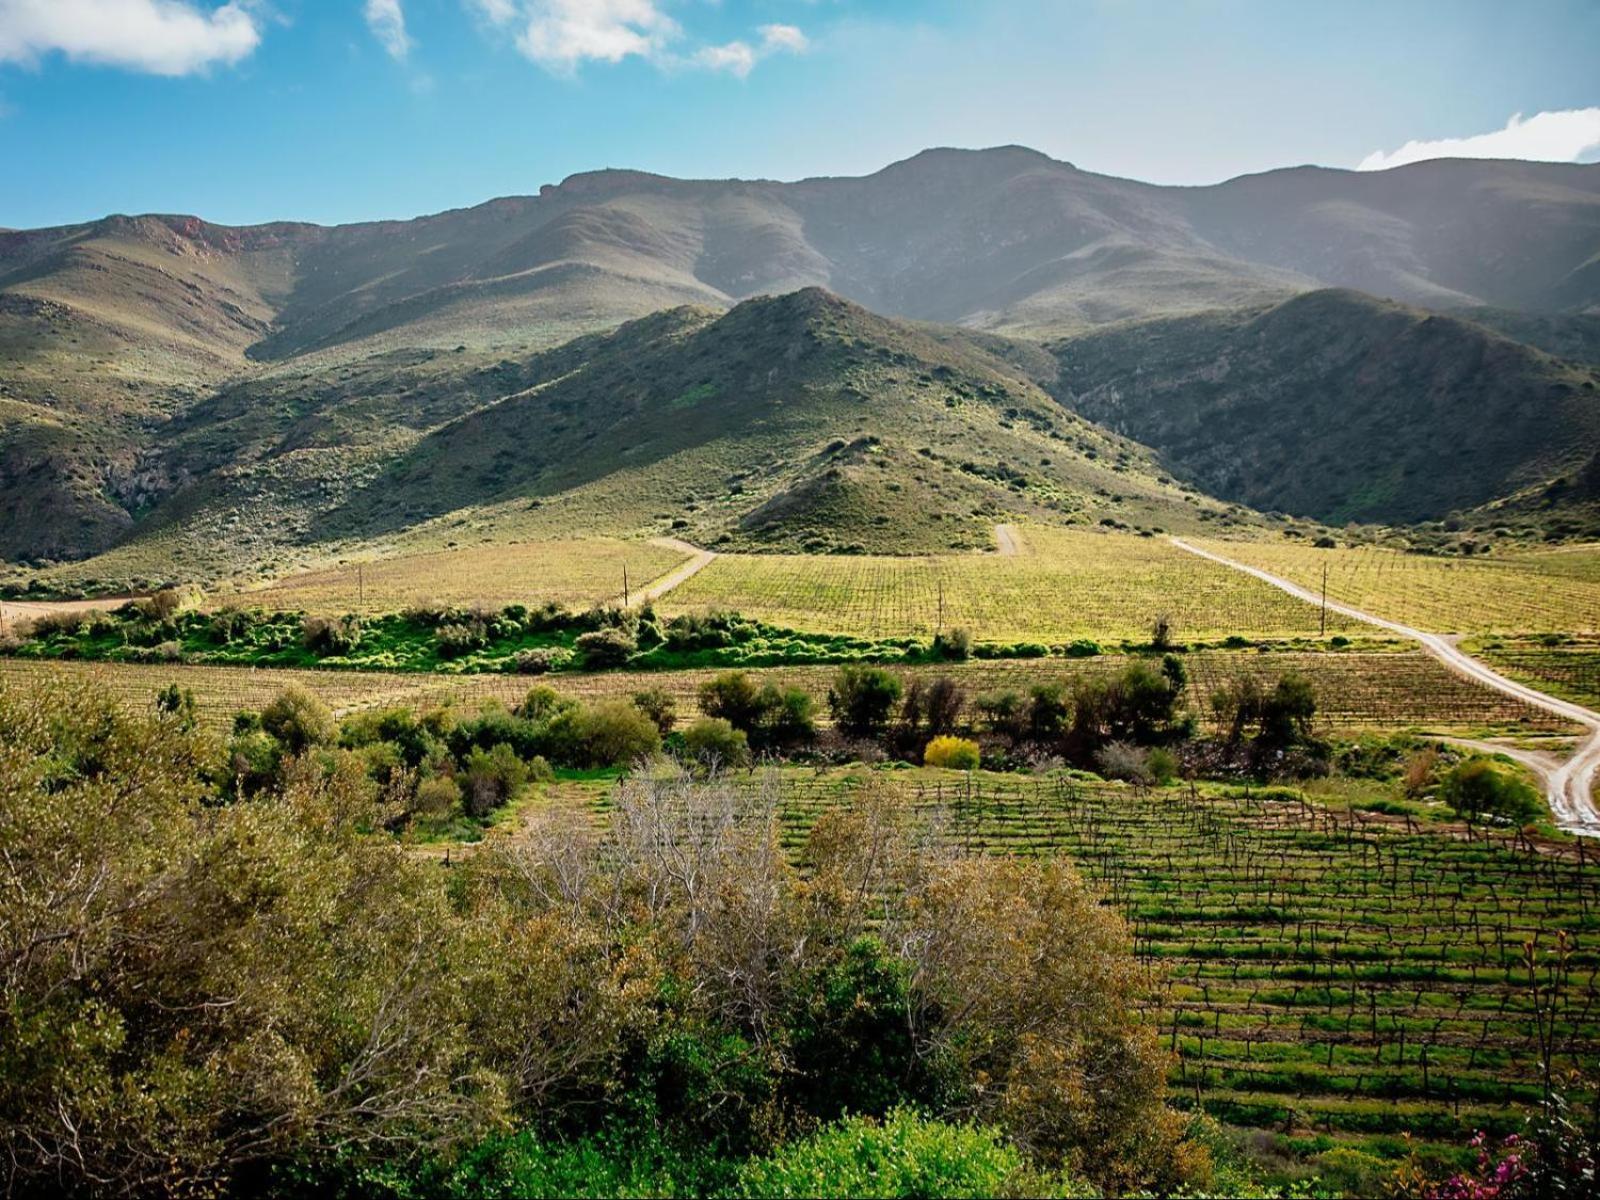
[{"x": 1569, "y": 788}]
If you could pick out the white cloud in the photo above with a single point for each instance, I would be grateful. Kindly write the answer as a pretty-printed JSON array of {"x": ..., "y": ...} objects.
[
  {"x": 1547, "y": 137},
  {"x": 562, "y": 35},
  {"x": 387, "y": 20},
  {"x": 162, "y": 37},
  {"x": 783, "y": 37}
]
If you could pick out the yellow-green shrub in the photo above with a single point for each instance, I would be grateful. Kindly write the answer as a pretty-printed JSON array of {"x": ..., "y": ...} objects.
[{"x": 959, "y": 754}]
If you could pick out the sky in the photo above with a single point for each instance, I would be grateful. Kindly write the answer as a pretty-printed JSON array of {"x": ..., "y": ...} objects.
[{"x": 345, "y": 110}]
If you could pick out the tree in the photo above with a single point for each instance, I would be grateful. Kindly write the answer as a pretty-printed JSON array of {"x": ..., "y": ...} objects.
[
  {"x": 660, "y": 706},
  {"x": 734, "y": 697},
  {"x": 714, "y": 742},
  {"x": 861, "y": 699},
  {"x": 1480, "y": 787},
  {"x": 299, "y": 719}
]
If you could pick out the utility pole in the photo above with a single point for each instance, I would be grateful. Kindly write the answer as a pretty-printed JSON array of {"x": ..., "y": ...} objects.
[
  {"x": 1324, "y": 632},
  {"x": 627, "y": 598}
]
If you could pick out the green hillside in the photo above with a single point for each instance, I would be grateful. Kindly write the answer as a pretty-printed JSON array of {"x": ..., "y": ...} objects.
[{"x": 1338, "y": 406}]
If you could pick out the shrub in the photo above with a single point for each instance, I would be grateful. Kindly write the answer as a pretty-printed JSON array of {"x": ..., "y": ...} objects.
[
  {"x": 541, "y": 660},
  {"x": 788, "y": 716},
  {"x": 861, "y": 699},
  {"x": 953, "y": 646},
  {"x": 1004, "y": 713},
  {"x": 436, "y": 798},
  {"x": 1081, "y": 648},
  {"x": 298, "y": 719},
  {"x": 1480, "y": 787},
  {"x": 492, "y": 777},
  {"x": 958, "y": 754},
  {"x": 905, "y": 1155},
  {"x": 714, "y": 742},
  {"x": 603, "y": 648},
  {"x": 660, "y": 706},
  {"x": 733, "y": 697},
  {"x": 453, "y": 639},
  {"x": 615, "y": 733},
  {"x": 1120, "y": 760},
  {"x": 932, "y": 707},
  {"x": 325, "y": 636}
]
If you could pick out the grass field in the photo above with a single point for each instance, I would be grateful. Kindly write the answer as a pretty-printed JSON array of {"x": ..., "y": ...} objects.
[
  {"x": 1531, "y": 592},
  {"x": 1378, "y": 691},
  {"x": 1330, "y": 975},
  {"x": 1065, "y": 584},
  {"x": 576, "y": 573}
]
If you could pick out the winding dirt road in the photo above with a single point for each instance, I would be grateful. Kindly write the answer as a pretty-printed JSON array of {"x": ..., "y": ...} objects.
[
  {"x": 1569, "y": 787},
  {"x": 699, "y": 561}
]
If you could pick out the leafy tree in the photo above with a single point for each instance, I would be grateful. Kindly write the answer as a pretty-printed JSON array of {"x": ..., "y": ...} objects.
[
  {"x": 660, "y": 706},
  {"x": 299, "y": 719},
  {"x": 616, "y": 733},
  {"x": 734, "y": 697},
  {"x": 861, "y": 699},
  {"x": 491, "y": 778},
  {"x": 1480, "y": 787},
  {"x": 714, "y": 742}
]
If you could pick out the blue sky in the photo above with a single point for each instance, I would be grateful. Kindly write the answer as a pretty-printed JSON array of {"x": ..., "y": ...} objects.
[{"x": 338, "y": 110}]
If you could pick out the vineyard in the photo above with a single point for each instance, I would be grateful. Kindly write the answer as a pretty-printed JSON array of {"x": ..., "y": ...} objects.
[
  {"x": 576, "y": 573},
  {"x": 1066, "y": 584},
  {"x": 1522, "y": 593},
  {"x": 1355, "y": 690},
  {"x": 1571, "y": 671},
  {"x": 1319, "y": 972}
]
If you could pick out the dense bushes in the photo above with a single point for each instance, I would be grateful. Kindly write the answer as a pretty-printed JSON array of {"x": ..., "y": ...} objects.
[
  {"x": 264, "y": 995},
  {"x": 958, "y": 754},
  {"x": 1480, "y": 788}
]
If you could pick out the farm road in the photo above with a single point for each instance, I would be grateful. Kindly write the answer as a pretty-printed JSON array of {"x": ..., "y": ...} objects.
[
  {"x": 699, "y": 561},
  {"x": 1007, "y": 541},
  {"x": 1569, "y": 787}
]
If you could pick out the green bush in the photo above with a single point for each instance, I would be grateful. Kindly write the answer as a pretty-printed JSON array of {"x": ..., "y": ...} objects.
[
  {"x": 542, "y": 660},
  {"x": 325, "y": 636},
  {"x": 953, "y": 646},
  {"x": 714, "y": 742},
  {"x": 603, "y": 648},
  {"x": 957, "y": 754},
  {"x": 492, "y": 777},
  {"x": 1480, "y": 787},
  {"x": 734, "y": 697},
  {"x": 454, "y": 639},
  {"x": 615, "y": 733},
  {"x": 660, "y": 706},
  {"x": 861, "y": 699},
  {"x": 298, "y": 719},
  {"x": 904, "y": 1155}
]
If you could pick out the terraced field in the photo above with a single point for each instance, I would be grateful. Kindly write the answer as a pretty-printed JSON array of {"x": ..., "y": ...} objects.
[
  {"x": 1394, "y": 690},
  {"x": 576, "y": 573},
  {"x": 1534, "y": 592},
  {"x": 1317, "y": 972},
  {"x": 1065, "y": 584}
]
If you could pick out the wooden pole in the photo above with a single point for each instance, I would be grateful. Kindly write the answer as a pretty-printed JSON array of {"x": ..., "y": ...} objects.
[
  {"x": 1324, "y": 632},
  {"x": 627, "y": 598}
]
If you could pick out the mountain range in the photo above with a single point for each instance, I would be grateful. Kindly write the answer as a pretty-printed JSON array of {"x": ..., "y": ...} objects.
[{"x": 1398, "y": 346}]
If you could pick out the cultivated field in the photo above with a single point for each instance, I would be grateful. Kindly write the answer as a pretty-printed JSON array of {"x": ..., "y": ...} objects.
[
  {"x": 1065, "y": 584},
  {"x": 1519, "y": 593},
  {"x": 1336, "y": 973},
  {"x": 1355, "y": 691},
  {"x": 576, "y": 573}
]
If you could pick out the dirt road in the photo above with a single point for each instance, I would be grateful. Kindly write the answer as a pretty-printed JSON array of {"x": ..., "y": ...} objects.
[
  {"x": 1007, "y": 541},
  {"x": 1569, "y": 787},
  {"x": 700, "y": 560}
]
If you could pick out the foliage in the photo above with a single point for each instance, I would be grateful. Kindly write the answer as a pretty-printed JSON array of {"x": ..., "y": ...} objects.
[
  {"x": 903, "y": 1155},
  {"x": 714, "y": 742},
  {"x": 958, "y": 754},
  {"x": 299, "y": 720},
  {"x": 861, "y": 699},
  {"x": 603, "y": 648},
  {"x": 1480, "y": 788}
]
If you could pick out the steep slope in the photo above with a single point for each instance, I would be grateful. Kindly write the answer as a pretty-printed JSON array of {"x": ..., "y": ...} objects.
[
  {"x": 788, "y": 423},
  {"x": 1342, "y": 407}
]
